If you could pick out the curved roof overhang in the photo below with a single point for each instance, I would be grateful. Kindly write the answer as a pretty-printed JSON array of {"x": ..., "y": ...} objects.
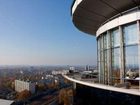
[{"x": 89, "y": 15}]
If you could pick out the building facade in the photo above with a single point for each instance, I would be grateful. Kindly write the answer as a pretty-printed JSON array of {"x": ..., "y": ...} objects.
[
  {"x": 116, "y": 25},
  {"x": 118, "y": 49},
  {"x": 24, "y": 85},
  {"x": 59, "y": 72}
]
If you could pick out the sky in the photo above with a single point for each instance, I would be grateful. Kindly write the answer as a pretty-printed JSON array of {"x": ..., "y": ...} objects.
[{"x": 41, "y": 32}]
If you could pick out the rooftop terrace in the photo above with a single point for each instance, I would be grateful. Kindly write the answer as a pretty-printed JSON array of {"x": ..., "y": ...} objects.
[{"x": 93, "y": 82}]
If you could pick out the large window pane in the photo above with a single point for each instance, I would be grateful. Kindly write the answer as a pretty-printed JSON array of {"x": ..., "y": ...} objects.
[
  {"x": 106, "y": 41},
  {"x": 106, "y": 68},
  {"x": 115, "y": 38},
  {"x": 131, "y": 58},
  {"x": 102, "y": 67},
  {"x": 115, "y": 65},
  {"x": 131, "y": 64},
  {"x": 130, "y": 34},
  {"x": 98, "y": 43},
  {"x": 101, "y": 43}
]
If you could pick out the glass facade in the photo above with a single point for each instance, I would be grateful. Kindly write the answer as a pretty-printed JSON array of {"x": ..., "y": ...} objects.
[
  {"x": 115, "y": 55},
  {"x": 118, "y": 54},
  {"x": 131, "y": 38},
  {"x": 115, "y": 65},
  {"x": 115, "y": 38},
  {"x": 130, "y": 34},
  {"x": 131, "y": 58}
]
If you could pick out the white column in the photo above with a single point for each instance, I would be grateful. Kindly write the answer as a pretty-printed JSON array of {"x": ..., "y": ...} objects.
[
  {"x": 98, "y": 57},
  {"x": 138, "y": 25},
  {"x": 122, "y": 60},
  {"x": 110, "y": 59}
]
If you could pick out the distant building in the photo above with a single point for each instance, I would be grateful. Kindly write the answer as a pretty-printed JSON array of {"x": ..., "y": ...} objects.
[
  {"x": 86, "y": 72},
  {"x": 24, "y": 85},
  {"x": 56, "y": 72},
  {"x": 48, "y": 76},
  {"x": 72, "y": 68},
  {"x": 87, "y": 67}
]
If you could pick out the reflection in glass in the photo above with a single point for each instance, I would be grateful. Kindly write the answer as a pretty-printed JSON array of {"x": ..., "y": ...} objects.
[
  {"x": 131, "y": 63},
  {"x": 110, "y": 52},
  {"x": 101, "y": 59},
  {"x": 106, "y": 58},
  {"x": 106, "y": 68},
  {"x": 115, "y": 65},
  {"x": 102, "y": 68},
  {"x": 130, "y": 34},
  {"x": 131, "y": 58},
  {"x": 98, "y": 43},
  {"x": 115, "y": 38}
]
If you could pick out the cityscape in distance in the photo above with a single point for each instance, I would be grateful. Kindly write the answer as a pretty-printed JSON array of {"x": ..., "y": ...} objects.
[
  {"x": 70, "y": 52},
  {"x": 34, "y": 85},
  {"x": 39, "y": 44}
]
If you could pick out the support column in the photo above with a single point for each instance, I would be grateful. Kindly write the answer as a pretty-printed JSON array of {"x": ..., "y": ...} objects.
[
  {"x": 138, "y": 30},
  {"x": 122, "y": 58},
  {"x": 103, "y": 59},
  {"x": 98, "y": 58},
  {"x": 110, "y": 59}
]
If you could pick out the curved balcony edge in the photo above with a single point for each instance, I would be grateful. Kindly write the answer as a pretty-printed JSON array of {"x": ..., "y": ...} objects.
[{"x": 105, "y": 87}]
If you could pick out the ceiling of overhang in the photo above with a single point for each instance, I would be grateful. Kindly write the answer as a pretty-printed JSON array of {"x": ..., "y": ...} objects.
[{"x": 90, "y": 14}]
